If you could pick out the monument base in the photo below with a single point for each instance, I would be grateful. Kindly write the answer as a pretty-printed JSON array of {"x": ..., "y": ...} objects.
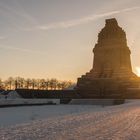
[
  {"x": 105, "y": 87},
  {"x": 100, "y": 102}
]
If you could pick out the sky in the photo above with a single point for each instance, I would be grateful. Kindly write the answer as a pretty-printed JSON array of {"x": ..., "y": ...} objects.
[{"x": 55, "y": 38}]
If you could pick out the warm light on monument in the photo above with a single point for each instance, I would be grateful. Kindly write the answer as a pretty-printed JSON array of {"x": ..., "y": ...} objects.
[
  {"x": 112, "y": 71},
  {"x": 138, "y": 71}
]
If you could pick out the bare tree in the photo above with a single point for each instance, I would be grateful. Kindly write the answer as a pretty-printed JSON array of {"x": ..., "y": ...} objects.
[
  {"x": 1, "y": 85},
  {"x": 48, "y": 84}
]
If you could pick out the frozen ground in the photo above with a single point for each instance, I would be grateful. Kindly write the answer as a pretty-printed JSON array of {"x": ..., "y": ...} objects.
[
  {"x": 17, "y": 115},
  {"x": 71, "y": 122}
]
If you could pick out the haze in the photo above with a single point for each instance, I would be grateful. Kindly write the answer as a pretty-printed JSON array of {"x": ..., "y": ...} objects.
[{"x": 55, "y": 38}]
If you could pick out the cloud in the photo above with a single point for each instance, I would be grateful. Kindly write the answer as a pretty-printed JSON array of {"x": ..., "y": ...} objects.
[
  {"x": 83, "y": 20},
  {"x": 22, "y": 50},
  {"x": 15, "y": 13},
  {"x": 2, "y": 37},
  {"x": 17, "y": 10}
]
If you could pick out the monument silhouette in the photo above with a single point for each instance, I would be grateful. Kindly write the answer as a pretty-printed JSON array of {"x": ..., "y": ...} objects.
[
  {"x": 111, "y": 72},
  {"x": 111, "y": 76}
]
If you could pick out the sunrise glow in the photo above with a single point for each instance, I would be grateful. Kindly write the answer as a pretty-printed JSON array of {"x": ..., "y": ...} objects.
[
  {"x": 138, "y": 71},
  {"x": 54, "y": 39}
]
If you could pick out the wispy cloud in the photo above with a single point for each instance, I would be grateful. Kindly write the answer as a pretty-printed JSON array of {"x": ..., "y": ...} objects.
[
  {"x": 83, "y": 20},
  {"x": 22, "y": 50},
  {"x": 16, "y": 12},
  {"x": 2, "y": 37}
]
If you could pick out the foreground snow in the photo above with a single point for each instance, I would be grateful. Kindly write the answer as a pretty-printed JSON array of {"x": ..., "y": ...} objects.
[
  {"x": 90, "y": 123},
  {"x": 18, "y": 115}
]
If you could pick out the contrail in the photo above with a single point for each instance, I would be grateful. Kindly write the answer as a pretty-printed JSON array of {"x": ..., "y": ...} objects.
[
  {"x": 17, "y": 12},
  {"x": 83, "y": 20},
  {"x": 24, "y": 14}
]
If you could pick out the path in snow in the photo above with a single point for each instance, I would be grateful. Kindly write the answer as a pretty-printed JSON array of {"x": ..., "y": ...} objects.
[{"x": 111, "y": 123}]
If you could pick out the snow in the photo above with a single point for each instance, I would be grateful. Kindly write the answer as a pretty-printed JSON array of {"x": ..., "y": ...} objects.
[
  {"x": 8, "y": 102},
  {"x": 13, "y": 98},
  {"x": 10, "y": 95},
  {"x": 71, "y": 122},
  {"x": 24, "y": 114},
  {"x": 13, "y": 95}
]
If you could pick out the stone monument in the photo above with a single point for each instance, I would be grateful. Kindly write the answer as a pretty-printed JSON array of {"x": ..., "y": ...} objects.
[{"x": 111, "y": 73}]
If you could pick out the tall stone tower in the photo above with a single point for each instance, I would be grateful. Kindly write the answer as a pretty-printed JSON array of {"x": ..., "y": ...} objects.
[{"x": 111, "y": 71}]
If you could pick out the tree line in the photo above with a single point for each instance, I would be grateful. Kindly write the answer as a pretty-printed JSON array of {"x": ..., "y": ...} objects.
[{"x": 42, "y": 84}]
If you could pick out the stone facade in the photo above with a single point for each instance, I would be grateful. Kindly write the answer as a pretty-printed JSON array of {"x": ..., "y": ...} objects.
[{"x": 111, "y": 71}]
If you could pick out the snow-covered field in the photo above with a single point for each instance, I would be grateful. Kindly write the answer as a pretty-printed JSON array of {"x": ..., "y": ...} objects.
[{"x": 71, "y": 122}]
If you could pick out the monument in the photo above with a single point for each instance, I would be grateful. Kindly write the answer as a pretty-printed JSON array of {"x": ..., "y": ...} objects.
[{"x": 111, "y": 73}]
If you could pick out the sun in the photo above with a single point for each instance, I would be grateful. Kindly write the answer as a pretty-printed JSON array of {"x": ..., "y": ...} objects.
[{"x": 138, "y": 71}]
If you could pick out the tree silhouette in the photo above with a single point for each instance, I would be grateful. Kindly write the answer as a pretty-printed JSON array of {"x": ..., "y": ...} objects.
[{"x": 43, "y": 84}]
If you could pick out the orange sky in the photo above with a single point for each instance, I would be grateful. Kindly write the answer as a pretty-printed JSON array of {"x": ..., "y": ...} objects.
[{"x": 54, "y": 39}]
